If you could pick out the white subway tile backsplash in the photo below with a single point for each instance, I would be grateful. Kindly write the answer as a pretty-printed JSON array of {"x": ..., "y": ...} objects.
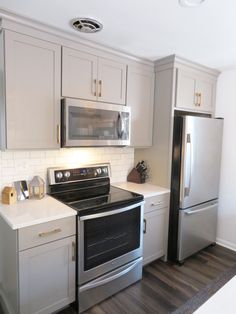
[{"x": 23, "y": 165}]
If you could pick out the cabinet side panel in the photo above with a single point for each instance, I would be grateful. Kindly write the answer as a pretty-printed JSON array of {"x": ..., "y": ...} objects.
[
  {"x": 158, "y": 157},
  {"x": 8, "y": 268},
  {"x": 2, "y": 94}
]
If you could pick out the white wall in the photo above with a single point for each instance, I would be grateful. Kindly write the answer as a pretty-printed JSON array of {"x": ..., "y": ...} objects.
[
  {"x": 226, "y": 108},
  {"x": 23, "y": 165}
]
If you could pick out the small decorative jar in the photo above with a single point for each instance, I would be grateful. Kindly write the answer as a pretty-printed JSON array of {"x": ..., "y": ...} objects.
[{"x": 37, "y": 188}]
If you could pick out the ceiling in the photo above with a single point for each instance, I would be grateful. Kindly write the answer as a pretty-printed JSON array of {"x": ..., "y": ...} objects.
[{"x": 147, "y": 28}]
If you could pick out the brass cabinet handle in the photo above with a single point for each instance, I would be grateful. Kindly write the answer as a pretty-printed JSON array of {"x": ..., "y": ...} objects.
[
  {"x": 200, "y": 97},
  {"x": 100, "y": 93},
  {"x": 58, "y": 134},
  {"x": 198, "y": 102},
  {"x": 95, "y": 83},
  {"x": 144, "y": 226},
  {"x": 48, "y": 233},
  {"x": 73, "y": 251},
  {"x": 196, "y": 98}
]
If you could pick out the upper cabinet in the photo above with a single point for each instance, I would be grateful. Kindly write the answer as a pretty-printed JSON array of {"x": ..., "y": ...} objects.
[
  {"x": 87, "y": 76},
  {"x": 195, "y": 90},
  {"x": 140, "y": 97},
  {"x": 30, "y": 74},
  {"x": 181, "y": 87}
]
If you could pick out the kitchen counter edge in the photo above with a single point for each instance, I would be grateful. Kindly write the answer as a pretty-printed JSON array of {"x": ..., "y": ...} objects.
[
  {"x": 33, "y": 212},
  {"x": 146, "y": 189}
]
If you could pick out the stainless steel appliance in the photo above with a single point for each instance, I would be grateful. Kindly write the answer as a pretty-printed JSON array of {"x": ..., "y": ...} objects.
[
  {"x": 194, "y": 185},
  {"x": 87, "y": 123},
  {"x": 109, "y": 231}
]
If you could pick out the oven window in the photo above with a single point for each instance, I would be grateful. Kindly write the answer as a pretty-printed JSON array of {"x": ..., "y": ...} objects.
[{"x": 109, "y": 237}]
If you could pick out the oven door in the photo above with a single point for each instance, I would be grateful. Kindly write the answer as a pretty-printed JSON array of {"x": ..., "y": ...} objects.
[
  {"x": 109, "y": 240},
  {"x": 86, "y": 123}
]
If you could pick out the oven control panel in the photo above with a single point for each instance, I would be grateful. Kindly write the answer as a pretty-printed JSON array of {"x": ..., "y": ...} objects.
[{"x": 56, "y": 175}]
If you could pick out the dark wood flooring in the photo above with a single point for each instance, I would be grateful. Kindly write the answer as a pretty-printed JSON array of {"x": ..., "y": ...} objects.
[{"x": 165, "y": 287}]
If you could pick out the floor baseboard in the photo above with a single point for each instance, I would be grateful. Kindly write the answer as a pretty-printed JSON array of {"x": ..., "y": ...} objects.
[{"x": 227, "y": 244}]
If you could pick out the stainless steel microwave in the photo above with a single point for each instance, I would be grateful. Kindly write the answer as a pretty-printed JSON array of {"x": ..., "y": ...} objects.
[{"x": 87, "y": 123}]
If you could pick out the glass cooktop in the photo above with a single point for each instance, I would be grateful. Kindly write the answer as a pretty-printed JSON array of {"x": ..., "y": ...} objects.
[{"x": 94, "y": 200}]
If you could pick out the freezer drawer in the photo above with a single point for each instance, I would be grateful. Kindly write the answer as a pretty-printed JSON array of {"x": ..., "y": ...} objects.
[{"x": 197, "y": 228}]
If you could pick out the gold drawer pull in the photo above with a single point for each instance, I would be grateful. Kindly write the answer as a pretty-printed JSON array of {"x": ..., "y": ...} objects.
[
  {"x": 48, "y": 233},
  {"x": 156, "y": 204}
]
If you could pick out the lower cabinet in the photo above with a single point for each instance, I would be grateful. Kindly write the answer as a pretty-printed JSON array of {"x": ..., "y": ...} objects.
[
  {"x": 153, "y": 238},
  {"x": 47, "y": 276},
  {"x": 37, "y": 267},
  {"x": 155, "y": 232}
]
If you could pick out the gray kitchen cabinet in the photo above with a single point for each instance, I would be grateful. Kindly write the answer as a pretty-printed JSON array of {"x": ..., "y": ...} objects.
[
  {"x": 47, "y": 277},
  {"x": 30, "y": 92},
  {"x": 155, "y": 235},
  {"x": 195, "y": 91},
  {"x": 38, "y": 263},
  {"x": 140, "y": 97},
  {"x": 176, "y": 83},
  {"x": 87, "y": 76}
]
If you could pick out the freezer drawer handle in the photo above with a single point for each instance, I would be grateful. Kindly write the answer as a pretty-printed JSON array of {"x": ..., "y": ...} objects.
[{"x": 192, "y": 212}]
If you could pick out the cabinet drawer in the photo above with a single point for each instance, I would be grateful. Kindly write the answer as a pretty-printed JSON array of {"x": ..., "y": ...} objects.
[
  {"x": 156, "y": 202},
  {"x": 46, "y": 232}
]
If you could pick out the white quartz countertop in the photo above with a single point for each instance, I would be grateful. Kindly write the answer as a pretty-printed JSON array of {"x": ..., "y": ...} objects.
[
  {"x": 146, "y": 189},
  {"x": 32, "y": 212}
]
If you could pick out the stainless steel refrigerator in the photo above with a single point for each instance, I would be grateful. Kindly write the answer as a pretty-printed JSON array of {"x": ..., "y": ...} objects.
[{"x": 195, "y": 177}]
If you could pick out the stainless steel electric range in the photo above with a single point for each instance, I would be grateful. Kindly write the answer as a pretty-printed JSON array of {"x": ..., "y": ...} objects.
[{"x": 109, "y": 231}]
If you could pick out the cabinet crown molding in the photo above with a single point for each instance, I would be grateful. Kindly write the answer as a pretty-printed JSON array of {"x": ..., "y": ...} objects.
[
  {"x": 174, "y": 61},
  {"x": 27, "y": 26}
]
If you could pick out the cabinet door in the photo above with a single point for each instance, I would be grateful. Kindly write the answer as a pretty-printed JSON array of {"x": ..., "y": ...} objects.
[
  {"x": 47, "y": 277},
  {"x": 140, "y": 97},
  {"x": 154, "y": 235},
  {"x": 111, "y": 81},
  {"x": 185, "y": 93},
  {"x": 205, "y": 90},
  {"x": 195, "y": 91},
  {"x": 33, "y": 71},
  {"x": 79, "y": 74}
]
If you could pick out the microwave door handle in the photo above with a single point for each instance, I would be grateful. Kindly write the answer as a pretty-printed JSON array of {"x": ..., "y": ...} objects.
[{"x": 119, "y": 126}]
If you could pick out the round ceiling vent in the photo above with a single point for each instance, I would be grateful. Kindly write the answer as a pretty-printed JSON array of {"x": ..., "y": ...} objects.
[
  {"x": 86, "y": 25},
  {"x": 190, "y": 3}
]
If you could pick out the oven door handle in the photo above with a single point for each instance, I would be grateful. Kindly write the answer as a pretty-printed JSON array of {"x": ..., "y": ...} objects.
[
  {"x": 102, "y": 282},
  {"x": 111, "y": 212}
]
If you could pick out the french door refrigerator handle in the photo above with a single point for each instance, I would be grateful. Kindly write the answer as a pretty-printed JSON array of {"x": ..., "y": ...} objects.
[{"x": 189, "y": 161}]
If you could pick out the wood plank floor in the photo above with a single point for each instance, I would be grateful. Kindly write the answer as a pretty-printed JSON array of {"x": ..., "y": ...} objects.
[{"x": 166, "y": 286}]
